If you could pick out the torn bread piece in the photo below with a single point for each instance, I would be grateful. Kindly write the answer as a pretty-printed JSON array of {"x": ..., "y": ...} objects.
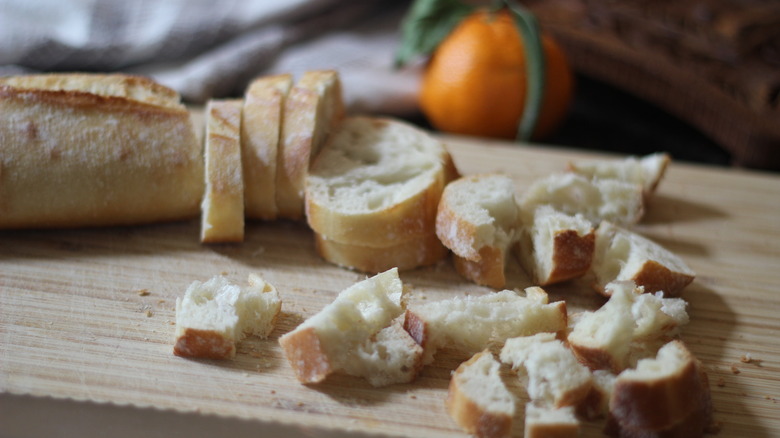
[
  {"x": 630, "y": 326},
  {"x": 424, "y": 251},
  {"x": 646, "y": 171},
  {"x": 478, "y": 400},
  {"x": 213, "y": 316},
  {"x": 312, "y": 110},
  {"x": 552, "y": 374},
  {"x": 597, "y": 200},
  {"x": 622, "y": 255},
  {"x": 377, "y": 183},
  {"x": 469, "y": 323},
  {"x": 336, "y": 336},
  {"x": 389, "y": 357},
  {"x": 478, "y": 219},
  {"x": 547, "y": 422},
  {"x": 260, "y": 132},
  {"x": 555, "y": 246},
  {"x": 222, "y": 208},
  {"x": 665, "y": 395}
]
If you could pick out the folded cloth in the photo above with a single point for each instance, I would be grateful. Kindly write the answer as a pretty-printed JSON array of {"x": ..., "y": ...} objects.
[{"x": 207, "y": 49}]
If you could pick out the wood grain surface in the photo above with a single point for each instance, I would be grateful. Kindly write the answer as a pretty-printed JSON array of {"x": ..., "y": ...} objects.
[{"x": 87, "y": 318}]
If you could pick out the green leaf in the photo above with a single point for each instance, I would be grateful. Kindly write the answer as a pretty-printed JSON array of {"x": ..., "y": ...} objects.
[
  {"x": 535, "y": 65},
  {"x": 426, "y": 24}
]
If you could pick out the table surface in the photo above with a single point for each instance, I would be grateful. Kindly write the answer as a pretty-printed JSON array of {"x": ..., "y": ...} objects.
[{"x": 81, "y": 342}]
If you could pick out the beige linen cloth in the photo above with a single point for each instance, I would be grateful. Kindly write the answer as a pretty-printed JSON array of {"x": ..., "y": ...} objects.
[{"x": 211, "y": 49}]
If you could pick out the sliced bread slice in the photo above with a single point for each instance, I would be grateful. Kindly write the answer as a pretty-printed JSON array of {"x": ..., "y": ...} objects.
[
  {"x": 313, "y": 109},
  {"x": 622, "y": 255},
  {"x": 478, "y": 400},
  {"x": 212, "y": 317},
  {"x": 630, "y": 326},
  {"x": 613, "y": 200},
  {"x": 469, "y": 323},
  {"x": 646, "y": 171},
  {"x": 478, "y": 218},
  {"x": 260, "y": 130},
  {"x": 377, "y": 183},
  {"x": 222, "y": 208},
  {"x": 405, "y": 255},
  {"x": 555, "y": 246},
  {"x": 327, "y": 341}
]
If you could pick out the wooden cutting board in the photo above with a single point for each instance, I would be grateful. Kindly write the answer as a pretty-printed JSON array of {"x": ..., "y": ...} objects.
[{"x": 87, "y": 318}]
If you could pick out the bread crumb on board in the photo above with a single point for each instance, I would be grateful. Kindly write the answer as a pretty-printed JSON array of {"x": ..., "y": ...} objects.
[
  {"x": 735, "y": 370},
  {"x": 144, "y": 292}
]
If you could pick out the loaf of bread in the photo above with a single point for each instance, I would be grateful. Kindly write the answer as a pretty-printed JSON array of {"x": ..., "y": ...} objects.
[
  {"x": 338, "y": 338},
  {"x": 596, "y": 199},
  {"x": 664, "y": 396},
  {"x": 630, "y": 326},
  {"x": 469, "y": 323},
  {"x": 313, "y": 109},
  {"x": 222, "y": 217},
  {"x": 261, "y": 125},
  {"x": 93, "y": 150},
  {"x": 478, "y": 219},
  {"x": 547, "y": 422},
  {"x": 555, "y": 246},
  {"x": 645, "y": 171},
  {"x": 623, "y": 255},
  {"x": 554, "y": 377},
  {"x": 478, "y": 400},
  {"x": 212, "y": 317}
]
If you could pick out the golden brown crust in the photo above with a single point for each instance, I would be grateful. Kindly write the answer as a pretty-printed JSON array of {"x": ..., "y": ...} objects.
[
  {"x": 656, "y": 277},
  {"x": 546, "y": 430},
  {"x": 223, "y": 204},
  {"x": 406, "y": 255},
  {"x": 417, "y": 328},
  {"x": 312, "y": 109},
  {"x": 260, "y": 130},
  {"x": 470, "y": 415},
  {"x": 595, "y": 358},
  {"x": 572, "y": 256},
  {"x": 488, "y": 271},
  {"x": 76, "y": 158},
  {"x": 306, "y": 355},
  {"x": 204, "y": 344}
]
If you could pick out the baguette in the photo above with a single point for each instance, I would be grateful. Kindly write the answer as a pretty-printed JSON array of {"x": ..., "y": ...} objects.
[
  {"x": 555, "y": 246},
  {"x": 313, "y": 108},
  {"x": 630, "y": 326},
  {"x": 95, "y": 150},
  {"x": 260, "y": 130},
  {"x": 469, "y": 323},
  {"x": 377, "y": 183},
  {"x": 622, "y": 255},
  {"x": 478, "y": 400},
  {"x": 212, "y": 317},
  {"x": 477, "y": 218},
  {"x": 223, "y": 201}
]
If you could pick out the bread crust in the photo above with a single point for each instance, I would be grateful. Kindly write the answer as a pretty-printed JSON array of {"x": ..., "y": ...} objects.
[
  {"x": 313, "y": 108},
  {"x": 406, "y": 255},
  {"x": 572, "y": 256},
  {"x": 223, "y": 200},
  {"x": 260, "y": 132},
  {"x": 488, "y": 271},
  {"x": 95, "y": 150},
  {"x": 472, "y": 417},
  {"x": 306, "y": 355},
  {"x": 206, "y": 344},
  {"x": 657, "y": 277}
]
